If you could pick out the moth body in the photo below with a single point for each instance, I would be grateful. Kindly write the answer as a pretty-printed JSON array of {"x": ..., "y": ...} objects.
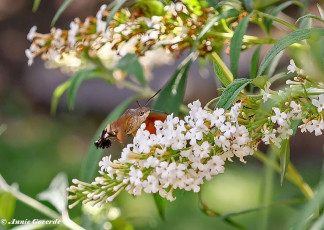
[{"x": 129, "y": 122}]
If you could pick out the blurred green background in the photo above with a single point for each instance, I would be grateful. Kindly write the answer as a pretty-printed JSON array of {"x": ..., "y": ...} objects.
[{"x": 37, "y": 146}]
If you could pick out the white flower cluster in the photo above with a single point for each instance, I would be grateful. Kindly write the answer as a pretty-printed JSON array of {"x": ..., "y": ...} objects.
[
  {"x": 179, "y": 154},
  {"x": 61, "y": 49},
  {"x": 279, "y": 125},
  {"x": 183, "y": 153}
]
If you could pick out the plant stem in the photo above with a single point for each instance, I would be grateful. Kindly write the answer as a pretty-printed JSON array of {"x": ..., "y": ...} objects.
[
  {"x": 292, "y": 174},
  {"x": 38, "y": 206},
  {"x": 227, "y": 73},
  {"x": 28, "y": 200},
  {"x": 248, "y": 38},
  {"x": 290, "y": 26}
]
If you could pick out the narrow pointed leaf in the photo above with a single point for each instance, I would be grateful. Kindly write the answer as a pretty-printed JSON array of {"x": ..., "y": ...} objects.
[
  {"x": 236, "y": 44},
  {"x": 36, "y": 5},
  {"x": 283, "y": 43},
  {"x": 284, "y": 158},
  {"x": 90, "y": 164},
  {"x": 171, "y": 96},
  {"x": 57, "y": 95},
  {"x": 260, "y": 81},
  {"x": 65, "y": 5},
  {"x": 130, "y": 64},
  {"x": 76, "y": 81},
  {"x": 310, "y": 16},
  {"x": 248, "y": 5},
  {"x": 255, "y": 62},
  {"x": 231, "y": 92},
  {"x": 160, "y": 204},
  {"x": 311, "y": 210},
  {"x": 218, "y": 71},
  {"x": 277, "y": 9}
]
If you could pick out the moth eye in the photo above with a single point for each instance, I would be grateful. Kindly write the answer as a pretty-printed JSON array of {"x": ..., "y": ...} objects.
[{"x": 141, "y": 113}]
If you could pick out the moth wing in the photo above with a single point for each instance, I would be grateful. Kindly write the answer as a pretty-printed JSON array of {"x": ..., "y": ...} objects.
[{"x": 150, "y": 120}]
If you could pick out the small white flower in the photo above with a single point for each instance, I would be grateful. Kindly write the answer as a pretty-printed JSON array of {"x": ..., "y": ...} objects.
[
  {"x": 317, "y": 126},
  {"x": 319, "y": 103},
  {"x": 235, "y": 111},
  {"x": 266, "y": 92},
  {"x": 31, "y": 34},
  {"x": 268, "y": 136},
  {"x": 202, "y": 151},
  {"x": 135, "y": 176},
  {"x": 223, "y": 142},
  {"x": 228, "y": 129},
  {"x": 151, "y": 184},
  {"x": 217, "y": 118},
  {"x": 280, "y": 117},
  {"x": 291, "y": 67},
  {"x": 120, "y": 28},
  {"x": 74, "y": 28},
  {"x": 162, "y": 169},
  {"x": 215, "y": 165},
  {"x": 296, "y": 108},
  {"x": 30, "y": 55},
  {"x": 105, "y": 163},
  {"x": 242, "y": 135},
  {"x": 151, "y": 162}
]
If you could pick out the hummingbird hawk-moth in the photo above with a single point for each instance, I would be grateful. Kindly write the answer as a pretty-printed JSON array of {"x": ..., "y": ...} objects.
[{"x": 129, "y": 123}]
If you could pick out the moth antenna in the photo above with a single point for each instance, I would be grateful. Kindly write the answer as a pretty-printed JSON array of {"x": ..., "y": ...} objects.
[
  {"x": 139, "y": 105},
  {"x": 152, "y": 97}
]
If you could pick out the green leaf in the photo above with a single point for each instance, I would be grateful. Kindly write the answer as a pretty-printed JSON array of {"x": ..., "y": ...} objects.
[
  {"x": 171, "y": 96},
  {"x": 65, "y": 5},
  {"x": 279, "y": 8},
  {"x": 255, "y": 62},
  {"x": 310, "y": 16},
  {"x": 248, "y": 5},
  {"x": 150, "y": 7},
  {"x": 271, "y": 68},
  {"x": 231, "y": 92},
  {"x": 114, "y": 10},
  {"x": 36, "y": 5},
  {"x": 212, "y": 21},
  {"x": 294, "y": 126},
  {"x": 266, "y": 190},
  {"x": 76, "y": 81},
  {"x": 57, "y": 94},
  {"x": 160, "y": 204},
  {"x": 319, "y": 223},
  {"x": 218, "y": 71},
  {"x": 310, "y": 211},
  {"x": 260, "y": 81},
  {"x": 94, "y": 155},
  {"x": 130, "y": 64},
  {"x": 7, "y": 205},
  {"x": 284, "y": 158},
  {"x": 212, "y": 3},
  {"x": 236, "y": 44},
  {"x": 283, "y": 43}
]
